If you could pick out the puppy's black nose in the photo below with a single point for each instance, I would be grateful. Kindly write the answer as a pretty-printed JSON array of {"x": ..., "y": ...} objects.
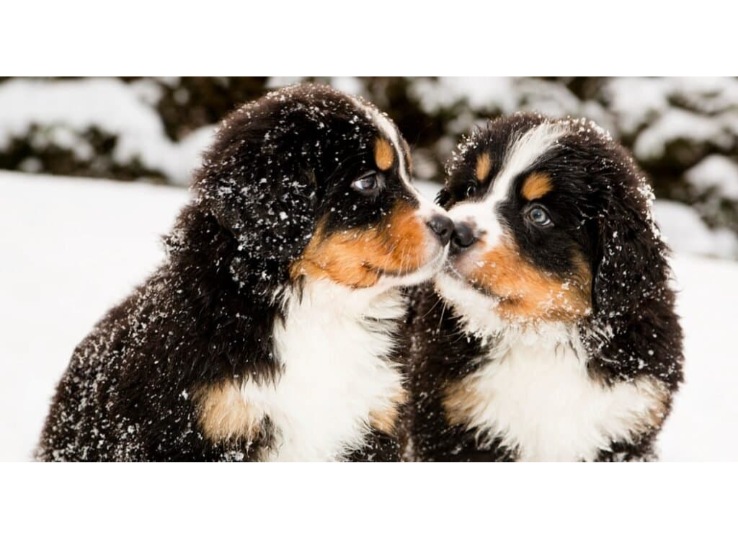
[
  {"x": 463, "y": 236},
  {"x": 442, "y": 226}
]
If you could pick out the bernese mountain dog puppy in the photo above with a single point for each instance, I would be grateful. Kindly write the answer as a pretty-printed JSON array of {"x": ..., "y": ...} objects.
[
  {"x": 551, "y": 333},
  {"x": 270, "y": 331}
]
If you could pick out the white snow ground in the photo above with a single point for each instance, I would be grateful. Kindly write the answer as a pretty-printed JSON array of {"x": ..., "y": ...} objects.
[{"x": 70, "y": 249}]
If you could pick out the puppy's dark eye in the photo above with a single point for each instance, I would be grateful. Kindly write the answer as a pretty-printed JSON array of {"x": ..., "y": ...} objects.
[
  {"x": 368, "y": 184},
  {"x": 539, "y": 216},
  {"x": 471, "y": 190}
]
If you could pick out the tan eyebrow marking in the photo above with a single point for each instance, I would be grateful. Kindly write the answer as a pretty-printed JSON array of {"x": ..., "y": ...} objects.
[
  {"x": 384, "y": 156},
  {"x": 536, "y": 186},
  {"x": 484, "y": 165}
]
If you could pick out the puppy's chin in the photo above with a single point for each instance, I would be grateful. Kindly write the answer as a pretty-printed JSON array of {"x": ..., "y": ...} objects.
[
  {"x": 487, "y": 313},
  {"x": 436, "y": 261},
  {"x": 402, "y": 253},
  {"x": 477, "y": 310}
]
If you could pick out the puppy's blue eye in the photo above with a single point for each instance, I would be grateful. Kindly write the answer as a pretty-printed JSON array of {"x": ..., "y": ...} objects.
[
  {"x": 538, "y": 216},
  {"x": 368, "y": 184}
]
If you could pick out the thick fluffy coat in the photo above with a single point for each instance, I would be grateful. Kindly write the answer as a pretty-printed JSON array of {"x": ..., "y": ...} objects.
[
  {"x": 270, "y": 330},
  {"x": 551, "y": 333}
]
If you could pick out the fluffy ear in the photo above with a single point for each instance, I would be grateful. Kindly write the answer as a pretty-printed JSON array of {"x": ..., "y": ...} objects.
[
  {"x": 636, "y": 330},
  {"x": 260, "y": 187},
  {"x": 630, "y": 267}
]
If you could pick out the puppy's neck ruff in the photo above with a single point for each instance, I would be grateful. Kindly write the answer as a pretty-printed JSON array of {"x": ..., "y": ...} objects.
[
  {"x": 534, "y": 393},
  {"x": 476, "y": 310},
  {"x": 537, "y": 398},
  {"x": 333, "y": 345}
]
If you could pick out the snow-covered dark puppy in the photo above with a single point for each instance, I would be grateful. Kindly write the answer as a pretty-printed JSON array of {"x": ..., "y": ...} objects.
[
  {"x": 554, "y": 336},
  {"x": 269, "y": 332}
]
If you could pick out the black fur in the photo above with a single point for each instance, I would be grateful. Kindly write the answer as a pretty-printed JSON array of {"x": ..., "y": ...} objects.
[
  {"x": 378, "y": 446},
  {"x": 277, "y": 166},
  {"x": 600, "y": 210}
]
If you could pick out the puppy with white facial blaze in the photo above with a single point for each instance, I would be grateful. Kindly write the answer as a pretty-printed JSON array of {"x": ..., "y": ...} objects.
[
  {"x": 551, "y": 333},
  {"x": 271, "y": 330}
]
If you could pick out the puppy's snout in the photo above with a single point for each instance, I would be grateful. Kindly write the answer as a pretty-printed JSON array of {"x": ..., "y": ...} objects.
[
  {"x": 463, "y": 237},
  {"x": 442, "y": 226}
]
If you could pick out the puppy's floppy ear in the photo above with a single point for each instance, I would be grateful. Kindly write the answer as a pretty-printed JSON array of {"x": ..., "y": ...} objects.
[
  {"x": 635, "y": 329},
  {"x": 630, "y": 268},
  {"x": 259, "y": 187}
]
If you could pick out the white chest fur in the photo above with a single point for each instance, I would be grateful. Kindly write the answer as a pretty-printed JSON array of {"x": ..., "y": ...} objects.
[
  {"x": 335, "y": 372},
  {"x": 537, "y": 396}
]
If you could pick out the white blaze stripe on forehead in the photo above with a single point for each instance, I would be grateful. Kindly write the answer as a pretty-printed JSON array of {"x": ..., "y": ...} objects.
[{"x": 521, "y": 155}]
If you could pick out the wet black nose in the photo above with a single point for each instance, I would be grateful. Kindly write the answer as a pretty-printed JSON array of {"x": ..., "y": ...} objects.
[
  {"x": 442, "y": 227},
  {"x": 463, "y": 236}
]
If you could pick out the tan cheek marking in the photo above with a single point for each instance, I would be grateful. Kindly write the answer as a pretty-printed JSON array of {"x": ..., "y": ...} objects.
[
  {"x": 402, "y": 242},
  {"x": 484, "y": 165},
  {"x": 385, "y": 419},
  {"x": 384, "y": 156},
  {"x": 536, "y": 185},
  {"x": 338, "y": 257},
  {"x": 224, "y": 415},
  {"x": 529, "y": 293},
  {"x": 354, "y": 257}
]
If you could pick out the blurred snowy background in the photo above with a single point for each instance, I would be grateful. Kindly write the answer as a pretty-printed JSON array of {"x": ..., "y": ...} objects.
[
  {"x": 70, "y": 248},
  {"x": 683, "y": 132}
]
